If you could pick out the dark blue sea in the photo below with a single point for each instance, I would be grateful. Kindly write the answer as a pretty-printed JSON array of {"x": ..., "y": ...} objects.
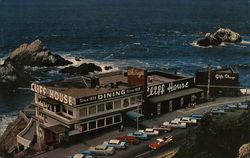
[{"x": 153, "y": 34}]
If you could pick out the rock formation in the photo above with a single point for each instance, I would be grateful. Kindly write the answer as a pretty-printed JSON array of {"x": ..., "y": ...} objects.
[
  {"x": 221, "y": 35},
  {"x": 244, "y": 151},
  {"x": 35, "y": 54},
  {"x": 83, "y": 69}
]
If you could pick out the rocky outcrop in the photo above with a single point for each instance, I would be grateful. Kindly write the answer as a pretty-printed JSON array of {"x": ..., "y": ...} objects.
[
  {"x": 13, "y": 76},
  {"x": 244, "y": 151},
  {"x": 108, "y": 67},
  {"x": 83, "y": 69},
  {"x": 221, "y": 35},
  {"x": 9, "y": 137},
  {"x": 35, "y": 54}
]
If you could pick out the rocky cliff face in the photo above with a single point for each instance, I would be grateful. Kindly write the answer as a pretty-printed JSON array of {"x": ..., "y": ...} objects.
[
  {"x": 35, "y": 54},
  {"x": 221, "y": 35},
  {"x": 8, "y": 139}
]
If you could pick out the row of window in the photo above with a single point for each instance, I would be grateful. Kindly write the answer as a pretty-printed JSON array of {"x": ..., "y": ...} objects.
[
  {"x": 100, "y": 123},
  {"x": 112, "y": 105}
]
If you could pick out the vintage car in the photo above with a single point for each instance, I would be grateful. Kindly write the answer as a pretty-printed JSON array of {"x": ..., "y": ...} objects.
[
  {"x": 243, "y": 106},
  {"x": 226, "y": 108},
  {"x": 187, "y": 120},
  {"x": 117, "y": 144},
  {"x": 215, "y": 111},
  {"x": 102, "y": 150},
  {"x": 150, "y": 132},
  {"x": 160, "y": 142},
  {"x": 129, "y": 139},
  {"x": 175, "y": 124},
  {"x": 233, "y": 105},
  {"x": 162, "y": 128},
  {"x": 140, "y": 135},
  {"x": 198, "y": 117},
  {"x": 83, "y": 154}
]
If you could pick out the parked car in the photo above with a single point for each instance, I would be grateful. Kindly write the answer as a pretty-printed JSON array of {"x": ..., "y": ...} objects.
[
  {"x": 129, "y": 139},
  {"x": 226, "y": 108},
  {"x": 83, "y": 154},
  {"x": 150, "y": 132},
  {"x": 160, "y": 142},
  {"x": 233, "y": 105},
  {"x": 187, "y": 120},
  {"x": 243, "y": 106},
  {"x": 102, "y": 150},
  {"x": 117, "y": 144},
  {"x": 139, "y": 135},
  {"x": 175, "y": 124},
  {"x": 198, "y": 117},
  {"x": 217, "y": 111},
  {"x": 162, "y": 128}
]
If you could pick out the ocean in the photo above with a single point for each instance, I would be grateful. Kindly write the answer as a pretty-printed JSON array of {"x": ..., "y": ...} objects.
[{"x": 152, "y": 34}]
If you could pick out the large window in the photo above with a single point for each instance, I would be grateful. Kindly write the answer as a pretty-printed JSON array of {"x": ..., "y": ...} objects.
[
  {"x": 100, "y": 123},
  {"x": 117, "y": 104},
  {"x": 109, "y": 106},
  {"x": 92, "y": 109},
  {"x": 132, "y": 100},
  {"x": 100, "y": 108},
  {"x": 117, "y": 119},
  {"x": 109, "y": 120},
  {"x": 139, "y": 99},
  {"x": 83, "y": 112},
  {"x": 64, "y": 109},
  {"x": 70, "y": 111},
  {"x": 92, "y": 125}
]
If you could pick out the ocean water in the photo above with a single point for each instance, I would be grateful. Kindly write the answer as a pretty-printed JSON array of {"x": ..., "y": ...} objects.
[{"x": 153, "y": 34}]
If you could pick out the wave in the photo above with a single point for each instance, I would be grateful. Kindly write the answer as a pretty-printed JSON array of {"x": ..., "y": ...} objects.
[
  {"x": 245, "y": 42},
  {"x": 5, "y": 119},
  {"x": 2, "y": 60},
  {"x": 194, "y": 44}
]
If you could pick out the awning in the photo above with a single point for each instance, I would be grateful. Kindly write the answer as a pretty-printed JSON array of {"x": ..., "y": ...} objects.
[
  {"x": 173, "y": 95},
  {"x": 58, "y": 129},
  {"x": 133, "y": 115}
]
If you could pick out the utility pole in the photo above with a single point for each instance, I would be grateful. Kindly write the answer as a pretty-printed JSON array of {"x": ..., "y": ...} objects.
[
  {"x": 137, "y": 119},
  {"x": 208, "y": 81}
]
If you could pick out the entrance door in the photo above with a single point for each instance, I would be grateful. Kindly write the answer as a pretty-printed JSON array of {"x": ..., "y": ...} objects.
[{"x": 170, "y": 105}]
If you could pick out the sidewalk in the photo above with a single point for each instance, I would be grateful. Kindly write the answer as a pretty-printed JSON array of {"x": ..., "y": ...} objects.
[{"x": 185, "y": 112}]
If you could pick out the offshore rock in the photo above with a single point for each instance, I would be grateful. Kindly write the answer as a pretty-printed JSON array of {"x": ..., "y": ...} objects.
[
  {"x": 221, "y": 35},
  {"x": 83, "y": 69},
  {"x": 13, "y": 76},
  {"x": 35, "y": 54},
  {"x": 244, "y": 151}
]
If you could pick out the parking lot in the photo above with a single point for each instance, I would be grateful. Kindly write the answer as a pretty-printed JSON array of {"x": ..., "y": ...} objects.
[{"x": 141, "y": 150}]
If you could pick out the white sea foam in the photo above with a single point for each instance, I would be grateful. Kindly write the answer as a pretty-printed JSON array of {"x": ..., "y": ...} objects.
[
  {"x": 136, "y": 44},
  {"x": 194, "y": 43},
  {"x": 5, "y": 119},
  {"x": 2, "y": 60},
  {"x": 245, "y": 42}
]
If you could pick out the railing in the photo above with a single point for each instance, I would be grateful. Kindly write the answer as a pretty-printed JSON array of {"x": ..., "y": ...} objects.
[{"x": 21, "y": 139}]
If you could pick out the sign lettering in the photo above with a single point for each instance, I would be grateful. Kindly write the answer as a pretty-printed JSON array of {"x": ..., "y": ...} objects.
[{"x": 224, "y": 76}]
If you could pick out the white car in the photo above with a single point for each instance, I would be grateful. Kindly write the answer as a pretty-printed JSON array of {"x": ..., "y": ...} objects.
[
  {"x": 187, "y": 120},
  {"x": 175, "y": 124},
  {"x": 150, "y": 132},
  {"x": 102, "y": 150},
  {"x": 243, "y": 106}
]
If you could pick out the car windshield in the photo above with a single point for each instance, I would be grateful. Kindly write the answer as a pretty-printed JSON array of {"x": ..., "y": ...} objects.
[{"x": 137, "y": 134}]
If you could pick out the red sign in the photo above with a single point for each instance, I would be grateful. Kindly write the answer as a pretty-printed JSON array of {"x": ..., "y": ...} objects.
[{"x": 137, "y": 76}]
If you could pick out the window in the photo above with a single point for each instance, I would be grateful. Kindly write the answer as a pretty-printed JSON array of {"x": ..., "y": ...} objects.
[
  {"x": 83, "y": 112},
  {"x": 64, "y": 109},
  {"x": 109, "y": 106},
  {"x": 139, "y": 99},
  {"x": 100, "y": 108},
  {"x": 109, "y": 120},
  {"x": 182, "y": 101},
  {"x": 117, "y": 119},
  {"x": 84, "y": 127},
  {"x": 133, "y": 100},
  {"x": 117, "y": 104},
  {"x": 70, "y": 111},
  {"x": 125, "y": 103},
  {"x": 92, "y": 125},
  {"x": 92, "y": 109},
  {"x": 100, "y": 123}
]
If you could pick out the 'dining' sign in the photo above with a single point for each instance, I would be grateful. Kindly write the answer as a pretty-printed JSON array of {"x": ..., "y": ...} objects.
[{"x": 52, "y": 94}]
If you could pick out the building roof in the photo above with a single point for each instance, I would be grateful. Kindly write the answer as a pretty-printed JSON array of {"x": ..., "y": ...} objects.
[{"x": 58, "y": 129}]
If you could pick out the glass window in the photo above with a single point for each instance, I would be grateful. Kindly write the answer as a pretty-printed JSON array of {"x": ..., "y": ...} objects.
[
  {"x": 100, "y": 108},
  {"x": 125, "y": 102},
  {"x": 139, "y": 99},
  {"x": 58, "y": 108},
  {"x": 92, "y": 125},
  {"x": 64, "y": 109},
  {"x": 84, "y": 127},
  {"x": 100, "y": 123},
  {"x": 117, "y": 118},
  {"x": 92, "y": 110},
  {"x": 109, "y": 120},
  {"x": 83, "y": 112},
  {"x": 132, "y": 100},
  {"x": 109, "y": 106},
  {"x": 117, "y": 104},
  {"x": 70, "y": 111}
]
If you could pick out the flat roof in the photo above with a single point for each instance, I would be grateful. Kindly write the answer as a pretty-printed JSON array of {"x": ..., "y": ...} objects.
[{"x": 77, "y": 88}]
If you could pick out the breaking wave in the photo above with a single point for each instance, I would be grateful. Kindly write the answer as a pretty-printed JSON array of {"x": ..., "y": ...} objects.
[{"x": 5, "y": 119}]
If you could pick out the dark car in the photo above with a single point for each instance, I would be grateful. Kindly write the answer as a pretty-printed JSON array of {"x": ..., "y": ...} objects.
[{"x": 129, "y": 139}]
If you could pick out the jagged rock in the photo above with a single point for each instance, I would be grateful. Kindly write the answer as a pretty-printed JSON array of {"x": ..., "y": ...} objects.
[
  {"x": 35, "y": 54},
  {"x": 244, "y": 151},
  {"x": 221, "y": 35},
  {"x": 83, "y": 69},
  {"x": 13, "y": 76},
  {"x": 108, "y": 67},
  {"x": 8, "y": 139}
]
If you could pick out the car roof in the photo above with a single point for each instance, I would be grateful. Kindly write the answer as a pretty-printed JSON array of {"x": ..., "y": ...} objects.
[
  {"x": 114, "y": 141},
  {"x": 103, "y": 147},
  {"x": 160, "y": 140},
  {"x": 79, "y": 156},
  {"x": 136, "y": 132},
  {"x": 149, "y": 129}
]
